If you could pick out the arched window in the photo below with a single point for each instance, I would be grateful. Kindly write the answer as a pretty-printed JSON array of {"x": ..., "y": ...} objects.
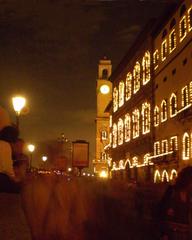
[
  {"x": 128, "y": 87},
  {"x": 115, "y": 99},
  {"x": 146, "y": 68},
  {"x": 173, "y": 174},
  {"x": 157, "y": 177},
  {"x": 135, "y": 123},
  {"x": 163, "y": 111},
  {"x": 127, "y": 128},
  {"x": 164, "y": 50},
  {"x": 183, "y": 28},
  {"x": 190, "y": 19},
  {"x": 120, "y": 131},
  {"x": 172, "y": 40},
  {"x": 137, "y": 77},
  {"x": 185, "y": 96},
  {"x": 121, "y": 93},
  {"x": 156, "y": 59},
  {"x": 165, "y": 176},
  {"x": 164, "y": 146},
  {"x": 105, "y": 74},
  {"x": 186, "y": 146},
  {"x": 146, "y": 109},
  {"x": 114, "y": 135},
  {"x": 173, "y": 144},
  {"x": 156, "y": 148},
  {"x": 173, "y": 105},
  {"x": 156, "y": 116}
]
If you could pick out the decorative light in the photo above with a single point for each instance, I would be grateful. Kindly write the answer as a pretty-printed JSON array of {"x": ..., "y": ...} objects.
[
  {"x": 127, "y": 125},
  {"x": 183, "y": 28},
  {"x": 18, "y": 103},
  {"x": 135, "y": 122},
  {"x": 173, "y": 143},
  {"x": 146, "y": 68},
  {"x": 156, "y": 116},
  {"x": 128, "y": 86},
  {"x": 157, "y": 176},
  {"x": 190, "y": 91},
  {"x": 156, "y": 59},
  {"x": 173, "y": 105},
  {"x": 165, "y": 176},
  {"x": 172, "y": 41},
  {"x": 103, "y": 174},
  {"x": 31, "y": 148},
  {"x": 164, "y": 50},
  {"x": 121, "y": 93},
  {"x": 156, "y": 148},
  {"x": 114, "y": 135},
  {"x": 146, "y": 109},
  {"x": 163, "y": 111},
  {"x": 173, "y": 174},
  {"x": 186, "y": 146},
  {"x": 44, "y": 158},
  {"x": 190, "y": 19},
  {"x": 121, "y": 164},
  {"x": 120, "y": 132},
  {"x": 137, "y": 77},
  {"x": 104, "y": 89},
  {"x": 185, "y": 96},
  {"x": 115, "y": 99},
  {"x": 164, "y": 145}
]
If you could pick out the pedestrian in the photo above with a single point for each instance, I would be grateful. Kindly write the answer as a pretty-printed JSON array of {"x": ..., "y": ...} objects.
[{"x": 8, "y": 180}]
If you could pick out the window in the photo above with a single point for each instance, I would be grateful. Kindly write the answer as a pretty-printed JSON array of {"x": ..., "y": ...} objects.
[
  {"x": 135, "y": 122},
  {"x": 186, "y": 146},
  {"x": 128, "y": 86},
  {"x": 146, "y": 68},
  {"x": 120, "y": 131},
  {"x": 183, "y": 28},
  {"x": 164, "y": 50},
  {"x": 156, "y": 148},
  {"x": 173, "y": 105},
  {"x": 136, "y": 76},
  {"x": 163, "y": 111},
  {"x": 185, "y": 96},
  {"x": 104, "y": 135},
  {"x": 115, "y": 99},
  {"x": 121, "y": 93},
  {"x": 114, "y": 135},
  {"x": 190, "y": 19},
  {"x": 146, "y": 117},
  {"x": 156, "y": 116},
  {"x": 164, "y": 146},
  {"x": 172, "y": 41},
  {"x": 127, "y": 125},
  {"x": 173, "y": 144},
  {"x": 104, "y": 74},
  {"x": 156, "y": 59}
]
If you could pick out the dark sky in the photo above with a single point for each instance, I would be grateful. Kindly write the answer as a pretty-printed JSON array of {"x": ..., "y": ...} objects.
[{"x": 49, "y": 51}]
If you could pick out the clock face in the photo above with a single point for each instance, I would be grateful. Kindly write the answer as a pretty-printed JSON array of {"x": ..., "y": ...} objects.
[{"x": 104, "y": 89}]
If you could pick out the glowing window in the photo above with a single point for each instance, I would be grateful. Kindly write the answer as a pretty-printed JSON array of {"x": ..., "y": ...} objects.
[
  {"x": 157, "y": 176},
  {"x": 186, "y": 146},
  {"x": 183, "y": 28},
  {"x": 173, "y": 105},
  {"x": 164, "y": 50},
  {"x": 104, "y": 135},
  {"x": 121, "y": 94},
  {"x": 136, "y": 77},
  {"x": 173, "y": 143},
  {"x": 156, "y": 116},
  {"x": 165, "y": 176},
  {"x": 120, "y": 131},
  {"x": 172, "y": 41},
  {"x": 163, "y": 111},
  {"x": 114, "y": 135},
  {"x": 135, "y": 123},
  {"x": 146, "y": 108},
  {"x": 115, "y": 99},
  {"x": 156, "y": 59},
  {"x": 190, "y": 19},
  {"x": 128, "y": 86},
  {"x": 127, "y": 128},
  {"x": 185, "y": 96},
  {"x": 156, "y": 148},
  {"x": 146, "y": 68},
  {"x": 173, "y": 174},
  {"x": 164, "y": 146}
]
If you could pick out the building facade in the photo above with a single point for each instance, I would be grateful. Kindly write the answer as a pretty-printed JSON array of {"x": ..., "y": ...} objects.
[{"x": 151, "y": 133}]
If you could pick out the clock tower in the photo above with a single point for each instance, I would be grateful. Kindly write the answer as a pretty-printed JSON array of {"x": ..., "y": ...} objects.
[{"x": 104, "y": 97}]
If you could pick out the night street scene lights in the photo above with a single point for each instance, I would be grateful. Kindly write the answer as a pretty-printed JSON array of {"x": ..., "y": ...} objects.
[
  {"x": 18, "y": 104},
  {"x": 31, "y": 149}
]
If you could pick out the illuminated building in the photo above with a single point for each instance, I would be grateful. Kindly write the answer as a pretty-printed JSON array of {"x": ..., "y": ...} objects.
[
  {"x": 151, "y": 125},
  {"x": 104, "y": 96}
]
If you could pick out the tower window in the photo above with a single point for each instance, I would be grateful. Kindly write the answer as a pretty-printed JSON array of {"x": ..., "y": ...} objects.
[{"x": 105, "y": 74}]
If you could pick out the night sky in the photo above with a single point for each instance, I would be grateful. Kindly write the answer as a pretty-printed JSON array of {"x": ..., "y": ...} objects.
[{"x": 49, "y": 52}]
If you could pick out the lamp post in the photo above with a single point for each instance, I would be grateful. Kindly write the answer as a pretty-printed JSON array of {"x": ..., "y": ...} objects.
[
  {"x": 18, "y": 104},
  {"x": 31, "y": 149}
]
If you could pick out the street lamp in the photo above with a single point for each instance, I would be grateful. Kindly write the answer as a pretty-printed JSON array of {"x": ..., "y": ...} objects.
[
  {"x": 44, "y": 158},
  {"x": 31, "y": 149},
  {"x": 18, "y": 104}
]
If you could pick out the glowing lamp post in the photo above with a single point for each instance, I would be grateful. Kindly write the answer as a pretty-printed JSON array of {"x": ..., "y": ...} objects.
[
  {"x": 31, "y": 149},
  {"x": 18, "y": 104},
  {"x": 44, "y": 158}
]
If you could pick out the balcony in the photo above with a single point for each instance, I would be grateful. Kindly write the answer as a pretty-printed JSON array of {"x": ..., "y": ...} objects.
[{"x": 166, "y": 158}]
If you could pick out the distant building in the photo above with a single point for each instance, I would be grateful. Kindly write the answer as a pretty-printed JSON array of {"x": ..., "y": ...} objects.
[
  {"x": 151, "y": 115},
  {"x": 104, "y": 97}
]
